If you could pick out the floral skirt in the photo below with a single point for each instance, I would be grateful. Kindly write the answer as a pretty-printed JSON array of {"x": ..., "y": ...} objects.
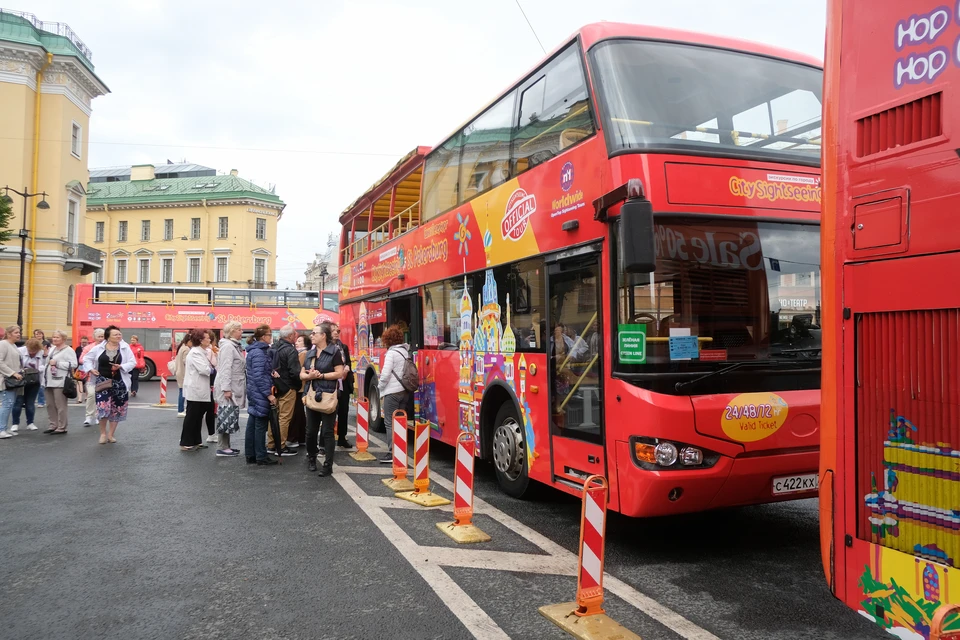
[
  {"x": 228, "y": 418},
  {"x": 112, "y": 402}
]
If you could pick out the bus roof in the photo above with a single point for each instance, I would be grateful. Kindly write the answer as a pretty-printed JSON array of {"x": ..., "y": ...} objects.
[
  {"x": 404, "y": 167},
  {"x": 589, "y": 35}
]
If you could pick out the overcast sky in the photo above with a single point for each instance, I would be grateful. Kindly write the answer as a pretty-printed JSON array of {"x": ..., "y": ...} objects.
[{"x": 321, "y": 98}]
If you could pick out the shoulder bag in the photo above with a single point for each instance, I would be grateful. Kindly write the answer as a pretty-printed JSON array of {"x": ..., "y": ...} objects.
[
  {"x": 69, "y": 387},
  {"x": 320, "y": 401}
]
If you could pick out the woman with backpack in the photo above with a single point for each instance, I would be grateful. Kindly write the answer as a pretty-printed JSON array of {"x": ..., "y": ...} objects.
[
  {"x": 322, "y": 370},
  {"x": 393, "y": 395}
]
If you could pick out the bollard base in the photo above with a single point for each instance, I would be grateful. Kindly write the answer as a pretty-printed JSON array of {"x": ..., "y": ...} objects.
[
  {"x": 596, "y": 627},
  {"x": 162, "y": 405},
  {"x": 463, "y": 533},
  {"x": 398, "y": 485},
  {"x": 426, "y": 499},
  {"x": 363, "y": 456}
]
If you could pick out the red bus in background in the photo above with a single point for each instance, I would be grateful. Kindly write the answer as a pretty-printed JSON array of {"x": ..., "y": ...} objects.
[
  {"x": 160, "y": 316},
  {"x": 670, "y": 343},
  {"x": 890, "y": 464}
]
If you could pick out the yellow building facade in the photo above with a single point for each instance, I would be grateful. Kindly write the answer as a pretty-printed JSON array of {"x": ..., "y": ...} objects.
[
  {"x": 47, "y": 85},
  {"x": 204, "y": 230}
]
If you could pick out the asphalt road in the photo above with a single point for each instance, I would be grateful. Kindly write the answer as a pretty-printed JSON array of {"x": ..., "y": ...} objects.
[{"x": 141, "y": 540}]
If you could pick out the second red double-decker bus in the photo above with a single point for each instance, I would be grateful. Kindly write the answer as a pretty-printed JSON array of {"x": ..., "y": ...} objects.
[
  {"x": 161, "y": 315},
  {"x": 663, "y": 333},
  {"x": 890, "y": 501}
]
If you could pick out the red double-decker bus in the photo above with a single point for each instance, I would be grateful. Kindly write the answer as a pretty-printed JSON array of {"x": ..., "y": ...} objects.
[
  {"x": 890, "y": 467},
  {"x": 161, "y": 315},
  {"x": 663, "y": 333}
]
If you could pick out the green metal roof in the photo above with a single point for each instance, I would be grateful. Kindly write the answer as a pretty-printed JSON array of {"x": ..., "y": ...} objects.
[
  {"x": 177, "y": 190},
  {"x": 25, "y": 28}
]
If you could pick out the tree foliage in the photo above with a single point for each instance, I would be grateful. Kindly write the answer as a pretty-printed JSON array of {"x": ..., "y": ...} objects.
[{"x": 6, "y": 216}]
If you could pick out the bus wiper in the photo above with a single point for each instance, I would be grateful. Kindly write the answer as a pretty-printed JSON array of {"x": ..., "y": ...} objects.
[{"x": 680, "y": 386}]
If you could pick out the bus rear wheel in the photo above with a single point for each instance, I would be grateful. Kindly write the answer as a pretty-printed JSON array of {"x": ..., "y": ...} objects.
[
  {"x": 510, "y": 452},
  {"x": 373, "y": 400},
  {"x": 149, "y": 370}
]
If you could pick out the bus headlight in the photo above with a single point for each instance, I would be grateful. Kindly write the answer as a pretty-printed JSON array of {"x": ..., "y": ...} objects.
[
  {"x": 658, "y": 454},
  {"x": 666, "y": 454},
  {"x": 691, "y": 456}
]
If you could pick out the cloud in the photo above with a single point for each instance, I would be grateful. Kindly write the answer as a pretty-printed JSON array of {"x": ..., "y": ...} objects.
[{"x": 279, "y": 90}]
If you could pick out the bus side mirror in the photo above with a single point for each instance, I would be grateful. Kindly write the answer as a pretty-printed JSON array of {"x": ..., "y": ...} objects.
[{"x": 636, "y": 236}]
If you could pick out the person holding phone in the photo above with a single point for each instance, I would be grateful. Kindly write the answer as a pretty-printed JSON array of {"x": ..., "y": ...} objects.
[{"x": 110, "y": 364}]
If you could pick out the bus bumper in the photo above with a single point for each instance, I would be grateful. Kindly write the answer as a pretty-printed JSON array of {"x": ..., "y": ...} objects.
[{"x": 731, "y": 482}]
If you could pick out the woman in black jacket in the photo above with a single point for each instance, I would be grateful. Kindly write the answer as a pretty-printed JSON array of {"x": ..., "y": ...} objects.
[{"x": 322, "y": 369}]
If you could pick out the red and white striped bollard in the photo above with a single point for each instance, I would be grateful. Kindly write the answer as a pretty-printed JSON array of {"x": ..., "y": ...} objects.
[
  {"x": 399, "y": 481},
  {"x": 421, "y": 493},
  {"x": 363, "y": 433},
  {"x": 462, "y": 528}
]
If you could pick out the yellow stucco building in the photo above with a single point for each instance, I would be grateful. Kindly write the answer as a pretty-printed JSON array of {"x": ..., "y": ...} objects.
[
  {"x": 47, "y": 84},
  {"x": 182, "y": 225}
]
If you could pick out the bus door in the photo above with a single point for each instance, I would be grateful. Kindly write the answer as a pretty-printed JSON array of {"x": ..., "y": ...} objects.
[
  {"x": 575, "y": 349},
  {"x": 406, "y": 312}
]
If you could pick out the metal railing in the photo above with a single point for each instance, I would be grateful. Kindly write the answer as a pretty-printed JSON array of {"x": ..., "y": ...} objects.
[
  {"x": 57, "y": 28},
  {"x": 398, "y": 224}
]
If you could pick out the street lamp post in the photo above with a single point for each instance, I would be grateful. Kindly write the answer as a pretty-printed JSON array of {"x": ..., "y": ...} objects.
[
  {"x": 323, "y": 276},
  {"x": 23, "y": 239}
]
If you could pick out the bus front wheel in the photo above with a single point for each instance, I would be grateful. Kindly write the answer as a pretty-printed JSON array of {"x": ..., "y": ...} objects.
[{"x": 510, "y": 452}]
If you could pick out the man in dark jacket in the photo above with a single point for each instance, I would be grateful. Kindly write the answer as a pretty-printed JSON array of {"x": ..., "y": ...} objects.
[
  {"x": 286, "y": 380},
  {"x": 259, "y": 366},
  {"x": 346, "y": 389}
]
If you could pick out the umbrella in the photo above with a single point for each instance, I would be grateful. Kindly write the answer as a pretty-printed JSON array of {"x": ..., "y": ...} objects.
[{"x": 275, "y": 430}]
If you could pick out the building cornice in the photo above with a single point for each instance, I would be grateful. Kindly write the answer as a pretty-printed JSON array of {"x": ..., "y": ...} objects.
[
  {"x": 115, "y": 206},
  {"x": 19, "y": 64}
]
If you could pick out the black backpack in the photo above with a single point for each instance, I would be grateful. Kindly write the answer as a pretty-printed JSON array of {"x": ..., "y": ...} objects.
[{"x": 410, "y": 378}]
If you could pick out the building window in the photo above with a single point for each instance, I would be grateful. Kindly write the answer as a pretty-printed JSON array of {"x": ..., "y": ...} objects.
[
  {"x": 98, "y": 237},
  {"x": 70, "y": 295},
  {"x": 221, "y": 268},
  {"x": 122, "y": 233},
  {"x": 71, "y": 220},
  {"x": 168, "y": 229},
  {"x": 144, "y": 271},
  {"x": 261, "y": 228},
  {"x": 145, "y": 231},
  {"x": 259, "y": 270},
  {"x": 194, "y": 269},
  {"x": 194, "y": 228},
  {"x": 121, "y": 271},
  {"x": 99, "y": 277},
  {"x": 224, "y": 227},
  {"x": 166, "y": 270},
  {"x": 76, "y": 140}
]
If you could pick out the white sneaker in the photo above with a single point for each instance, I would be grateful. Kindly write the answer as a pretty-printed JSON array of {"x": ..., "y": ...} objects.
[
  {"x": 182, "y": 414},
  {"x": 5, "y": 434},
  {"x": 15, "y": 428},
  {"x": 212, "y": 438},
  {"x": 31, "y": 427}
]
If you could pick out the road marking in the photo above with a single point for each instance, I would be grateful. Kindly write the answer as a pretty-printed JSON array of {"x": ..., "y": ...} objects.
[
  {"x": 463, "y": 606},
  {"x": 429, "y": 560}
]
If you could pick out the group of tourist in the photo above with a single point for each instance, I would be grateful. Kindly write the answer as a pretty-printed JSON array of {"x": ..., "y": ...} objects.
[
  {"x": 42, "y": 373},
  {"x": 302, "y": 383}
]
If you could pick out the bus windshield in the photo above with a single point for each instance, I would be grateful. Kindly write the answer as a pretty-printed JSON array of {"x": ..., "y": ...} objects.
[
  {"x": 724, "y": 291},
  {"x": 657, "y": 95}
]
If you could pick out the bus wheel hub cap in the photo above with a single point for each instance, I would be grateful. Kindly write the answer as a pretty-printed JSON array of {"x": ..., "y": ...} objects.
[{"x": 508, "y": 449}]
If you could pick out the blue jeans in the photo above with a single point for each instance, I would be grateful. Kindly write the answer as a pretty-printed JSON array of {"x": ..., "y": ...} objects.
[
  {"x": 7, "y": 398},
  {"x": 29, "y": 401},
  {"x": 255, "y": 438},
  {"x": 42, "y": 398},
  {"x": 180, "y": 403}
]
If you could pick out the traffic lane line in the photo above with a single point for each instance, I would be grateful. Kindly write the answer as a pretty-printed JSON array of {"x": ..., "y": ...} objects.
[{"x": 558, "y": 560}]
